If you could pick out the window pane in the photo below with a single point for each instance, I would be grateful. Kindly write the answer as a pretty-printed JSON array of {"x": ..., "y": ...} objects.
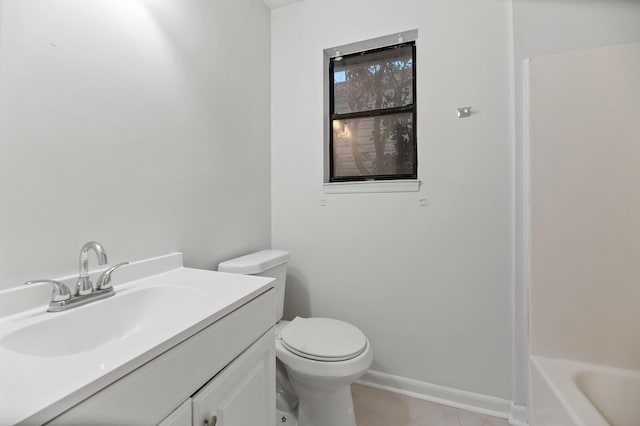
[
  {"x": 373, "y": 80},
  {"x": 371, "y": 146}
]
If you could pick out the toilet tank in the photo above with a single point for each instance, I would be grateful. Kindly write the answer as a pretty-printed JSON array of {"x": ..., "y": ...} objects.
[{"x": 265, "y": 263}]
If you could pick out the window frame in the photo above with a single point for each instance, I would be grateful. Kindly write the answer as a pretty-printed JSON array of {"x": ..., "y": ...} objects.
[{"x": 374, "y": 113}]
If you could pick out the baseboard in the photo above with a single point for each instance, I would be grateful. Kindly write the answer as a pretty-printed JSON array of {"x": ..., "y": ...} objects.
[
  {"x": 518, "y": 415},
  {"x": 479, "y": 403}
]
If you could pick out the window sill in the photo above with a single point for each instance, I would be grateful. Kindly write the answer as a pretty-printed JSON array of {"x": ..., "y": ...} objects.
[{"x": 407, "y": 185}]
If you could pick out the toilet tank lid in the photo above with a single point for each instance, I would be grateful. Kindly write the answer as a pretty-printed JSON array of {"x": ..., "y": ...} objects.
[{"x": 254, "y": 263}]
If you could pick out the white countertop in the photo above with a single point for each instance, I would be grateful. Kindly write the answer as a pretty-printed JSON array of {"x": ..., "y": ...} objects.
[{"x": 34, "y": 389}]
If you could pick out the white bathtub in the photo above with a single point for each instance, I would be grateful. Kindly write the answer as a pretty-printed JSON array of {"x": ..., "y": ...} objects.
[{"x": 569, "y": 393}]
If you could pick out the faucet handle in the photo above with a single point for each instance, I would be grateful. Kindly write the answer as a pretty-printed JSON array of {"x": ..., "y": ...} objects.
[
  {"x": 104, "y": 280},
  {"x": 60, "y": 290}
]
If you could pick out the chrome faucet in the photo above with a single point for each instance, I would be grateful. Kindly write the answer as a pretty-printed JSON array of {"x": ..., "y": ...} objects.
[
  {"x": 62, "y": 298},
  {"x": 84, "y": 285}
]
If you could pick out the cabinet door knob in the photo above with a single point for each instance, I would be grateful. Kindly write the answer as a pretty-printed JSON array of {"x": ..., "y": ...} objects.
[{"x": 211, "y": 422}]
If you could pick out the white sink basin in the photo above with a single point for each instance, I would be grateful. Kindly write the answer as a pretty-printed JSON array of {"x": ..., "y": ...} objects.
[
  {"x": 51, "y": 361},
  {"x": 92, "y": 326}
]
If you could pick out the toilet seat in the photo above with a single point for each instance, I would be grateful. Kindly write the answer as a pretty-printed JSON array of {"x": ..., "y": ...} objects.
[{"x": 323, "y": 339}]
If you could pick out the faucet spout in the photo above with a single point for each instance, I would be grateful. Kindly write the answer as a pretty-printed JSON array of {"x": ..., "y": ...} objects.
[
  {"x": 84, "y": 285},
  {"x": 84, "y": 292}
]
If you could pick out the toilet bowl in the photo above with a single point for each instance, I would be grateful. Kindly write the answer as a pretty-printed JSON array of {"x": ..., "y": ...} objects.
[
  {"x": 322, "y": 385},
  {"x": 322, "y": 357}
]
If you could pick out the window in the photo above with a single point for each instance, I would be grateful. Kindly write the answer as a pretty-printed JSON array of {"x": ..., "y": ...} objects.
[{"x": 372, "y": 109}]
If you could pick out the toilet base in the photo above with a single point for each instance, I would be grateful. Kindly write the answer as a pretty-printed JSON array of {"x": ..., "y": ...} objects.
[
  {"x": 285, "y": 418},
  {"x": 324, "y": 406}
]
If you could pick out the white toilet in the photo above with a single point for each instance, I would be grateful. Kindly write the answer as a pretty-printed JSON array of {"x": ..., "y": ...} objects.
[{"x": 321, "y": 356}]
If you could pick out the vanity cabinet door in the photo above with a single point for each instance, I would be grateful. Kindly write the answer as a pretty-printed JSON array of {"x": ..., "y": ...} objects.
[
  {"x": 243, "y": 393},
  {"x": 180, "y": 417}
]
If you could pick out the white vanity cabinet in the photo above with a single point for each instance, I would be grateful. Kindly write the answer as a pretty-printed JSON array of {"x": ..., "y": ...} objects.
[
  {"x": 242, "y": 394},
  {"x": 180, "y": 417},
  {"x": 226, "y": 370}
]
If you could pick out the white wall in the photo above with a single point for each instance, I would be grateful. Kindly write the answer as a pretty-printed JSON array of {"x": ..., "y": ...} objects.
[
  {"x": 585, "y": 202},
  {"x": 543, "y": 27},
  {"x": 430, "y": 286},
  {"x": 142, "y": 124}
]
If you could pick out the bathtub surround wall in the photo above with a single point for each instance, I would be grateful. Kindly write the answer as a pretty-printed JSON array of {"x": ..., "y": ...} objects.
[
  {"x": 429, "y": 285},
  {"x": 543, "y": 28},
  {"x": 142, "y": 124},
  {"x": 584, "y": 133}
]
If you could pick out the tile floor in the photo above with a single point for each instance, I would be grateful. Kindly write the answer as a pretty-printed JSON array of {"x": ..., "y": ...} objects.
[{"x": 376, "y": 407}]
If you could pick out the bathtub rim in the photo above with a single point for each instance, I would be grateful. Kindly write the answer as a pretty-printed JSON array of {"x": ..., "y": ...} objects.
[{"x": 560, "y": 375}]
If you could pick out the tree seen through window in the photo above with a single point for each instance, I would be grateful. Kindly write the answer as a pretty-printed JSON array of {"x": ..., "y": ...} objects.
[{"x": 373, "y": 114}]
